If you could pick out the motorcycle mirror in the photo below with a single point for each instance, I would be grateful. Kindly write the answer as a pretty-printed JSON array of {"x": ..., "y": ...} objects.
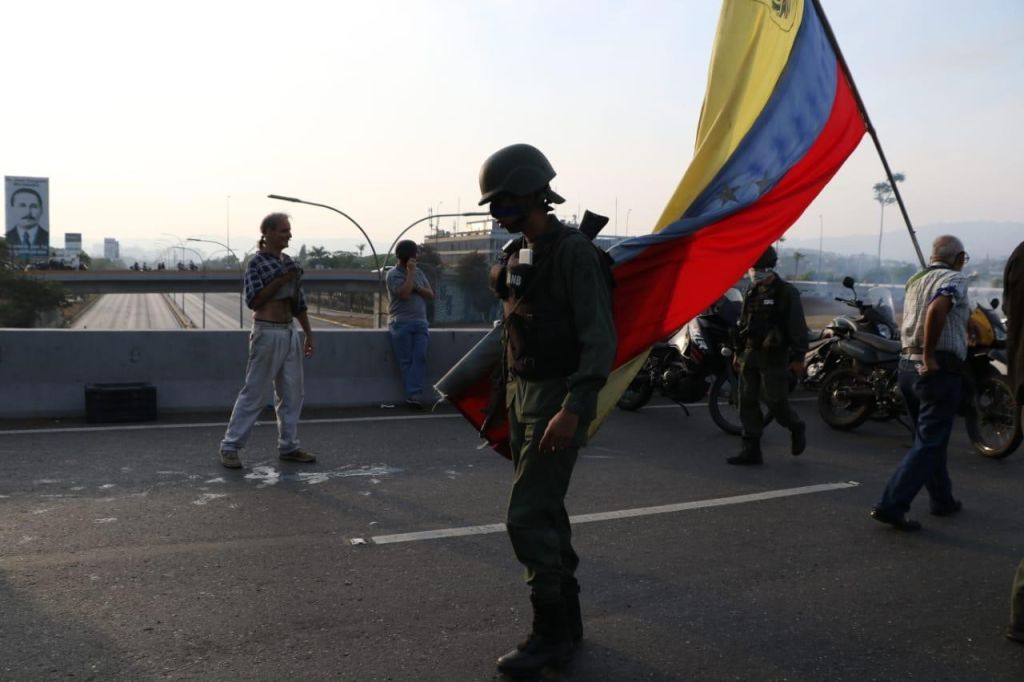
[
  {"x": 726, "y": 352},
  {"x": 848, "y": 282},
  {"x": 995, "y": 303}
]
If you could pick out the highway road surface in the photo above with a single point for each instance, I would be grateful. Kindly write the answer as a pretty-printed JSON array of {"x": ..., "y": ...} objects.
[
  {"x": 154, "y": 311},
  {"x": 129, "y": 311}
]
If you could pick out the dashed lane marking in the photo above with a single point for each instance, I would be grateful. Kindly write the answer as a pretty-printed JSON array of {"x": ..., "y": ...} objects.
[{"x": 610, "y": 516}]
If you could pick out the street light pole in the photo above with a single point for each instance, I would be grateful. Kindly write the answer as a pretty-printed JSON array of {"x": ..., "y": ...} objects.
[
  {"x": 181, "y": 245},
  {"x": 203, "y": 262},
  {"x": 241, "y": 295},
  {"x": 227, "y": 220},
  {"x": 376, "y": 260}
]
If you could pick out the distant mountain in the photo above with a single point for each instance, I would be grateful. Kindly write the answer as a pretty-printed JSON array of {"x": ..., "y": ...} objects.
[{"x": 995, "y": 240}]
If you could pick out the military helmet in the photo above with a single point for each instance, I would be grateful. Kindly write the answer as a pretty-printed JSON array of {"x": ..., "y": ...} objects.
[
  {"x": 519, "y": 169},
  {"x": 768, "y": 259}
]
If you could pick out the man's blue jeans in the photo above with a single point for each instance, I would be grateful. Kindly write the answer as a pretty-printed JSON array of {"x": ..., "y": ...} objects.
[
  {"x": 409, "y": 342},
  {"x": 932, "y": 401}
]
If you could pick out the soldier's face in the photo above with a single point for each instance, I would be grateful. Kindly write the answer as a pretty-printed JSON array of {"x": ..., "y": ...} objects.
[
  {"x": 510, "y": 211},
  {"x": 27, "y": 210}
]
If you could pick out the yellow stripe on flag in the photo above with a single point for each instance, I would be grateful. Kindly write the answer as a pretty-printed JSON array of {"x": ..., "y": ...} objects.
[
  {"x": 751, "y": 50},
  {"x": 613, "y": 389}
]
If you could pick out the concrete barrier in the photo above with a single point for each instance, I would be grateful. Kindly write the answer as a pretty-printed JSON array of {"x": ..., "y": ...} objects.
[{"x": 43, "y": 372}]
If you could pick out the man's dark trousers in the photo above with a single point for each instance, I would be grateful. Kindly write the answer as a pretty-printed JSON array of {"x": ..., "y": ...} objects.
[
  {"x": 538, "y": 524},
  {"x": 774, "y": 379},
  {"x": 932, "y": 401}
]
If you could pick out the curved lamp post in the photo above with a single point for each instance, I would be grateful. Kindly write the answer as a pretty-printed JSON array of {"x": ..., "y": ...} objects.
[
  {"x": 241, "y": 295},
  {"x": 429, "y": 217},
  {"x": 369, "y": 242}
]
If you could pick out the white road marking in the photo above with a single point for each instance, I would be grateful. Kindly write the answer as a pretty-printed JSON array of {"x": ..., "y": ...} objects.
[
  {"x": 612, "y": 515},
  {"x": 220, "y": 425},
  {"x": 334, "y": 420}
]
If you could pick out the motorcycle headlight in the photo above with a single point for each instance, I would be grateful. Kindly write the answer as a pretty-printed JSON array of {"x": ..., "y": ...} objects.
[{"x": 884, "y": 331}]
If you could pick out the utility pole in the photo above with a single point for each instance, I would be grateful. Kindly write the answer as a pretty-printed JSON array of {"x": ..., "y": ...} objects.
[{"x": 821, "y": 240}]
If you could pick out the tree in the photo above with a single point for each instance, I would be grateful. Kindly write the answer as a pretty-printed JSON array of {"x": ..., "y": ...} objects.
[
  {"x": 360, "y": 248},
  {"x": 884, "y": 196},
  {"x": 318, "y": 257},
  {"x": 302, "y": 255},
  {"x": 471, "y": 275},
  {"x": 23, "y": 298}
]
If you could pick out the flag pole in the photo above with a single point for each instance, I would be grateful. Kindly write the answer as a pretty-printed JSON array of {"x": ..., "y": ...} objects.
[{"x": 870, "y": 128}]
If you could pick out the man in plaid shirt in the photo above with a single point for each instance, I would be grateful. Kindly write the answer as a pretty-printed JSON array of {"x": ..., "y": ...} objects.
[{"x": 276, "y": 348}]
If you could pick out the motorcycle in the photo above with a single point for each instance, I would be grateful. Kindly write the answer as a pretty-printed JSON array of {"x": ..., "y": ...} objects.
[
  {"x": 862, "y": 381},
  {"x": 875, "y": 317},
  {"x": 991, "y": 412},
  {"x": 694, "y": 363}
]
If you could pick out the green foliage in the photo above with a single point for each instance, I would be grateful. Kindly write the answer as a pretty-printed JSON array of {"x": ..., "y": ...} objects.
[
  {"x": 107, "y": 264},
  {"x": 23, "y": 298},
  {"x": 319, "y": 257},
  {"x": 471, "y": 275}
]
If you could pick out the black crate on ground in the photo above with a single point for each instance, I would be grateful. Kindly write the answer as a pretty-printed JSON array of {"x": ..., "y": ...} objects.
[{"x": 128, "y": 402}]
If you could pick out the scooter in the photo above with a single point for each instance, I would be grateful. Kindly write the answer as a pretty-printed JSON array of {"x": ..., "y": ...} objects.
[
  {"x": 991, "y": 411},
  {"x": 693, "y": 363},
  {"x": 875, "y": 317},
  {"x": 862, "y": 366}
]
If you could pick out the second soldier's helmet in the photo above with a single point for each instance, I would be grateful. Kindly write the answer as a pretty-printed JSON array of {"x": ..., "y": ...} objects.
[
  {"x": 767, "y": 260},
  {"x": 519, "y": 169}
]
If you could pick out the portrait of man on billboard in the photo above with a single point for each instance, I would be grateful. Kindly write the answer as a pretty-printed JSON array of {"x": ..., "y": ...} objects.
[{"x": 28, "y": 231}]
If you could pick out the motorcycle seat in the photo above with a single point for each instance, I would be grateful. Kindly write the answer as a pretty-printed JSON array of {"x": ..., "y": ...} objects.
[{"x": 878, "y": 343}]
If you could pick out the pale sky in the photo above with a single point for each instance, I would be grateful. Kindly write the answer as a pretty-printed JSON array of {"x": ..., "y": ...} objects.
[{"x": 147, "y": 116}]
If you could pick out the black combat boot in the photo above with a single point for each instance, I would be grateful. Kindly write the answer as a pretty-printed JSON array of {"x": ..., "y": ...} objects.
[
  {"x": 571, "y": 594},
  {"x": 549, "y": 643},
  {"x": 750, "y": 453},
  {"x": 798, "y": 438}
]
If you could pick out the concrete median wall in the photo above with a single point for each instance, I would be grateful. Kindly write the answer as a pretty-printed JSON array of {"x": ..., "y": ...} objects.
[{"x": 43, "y": 372}]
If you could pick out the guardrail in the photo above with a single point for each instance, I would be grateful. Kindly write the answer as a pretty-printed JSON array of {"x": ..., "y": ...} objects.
[{"x": 43, "y": 372}]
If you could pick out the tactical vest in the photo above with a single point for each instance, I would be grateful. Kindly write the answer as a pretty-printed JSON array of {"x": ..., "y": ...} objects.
[
  {"x": 540, "y": 334},
  {"x": 762, "y": 323}
]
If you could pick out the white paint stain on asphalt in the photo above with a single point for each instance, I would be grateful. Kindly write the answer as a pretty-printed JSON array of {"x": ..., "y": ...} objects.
[
  {"x": 612, "y": 515},
  {"x": 107, "y": 486},
  {"x": 267, "y": 475},
  {"x": 218, "y": 479},
  {"x": 109, "y": 519},
  {"x": 207, "y": 498},
  {"x": 45, "y": 481}
]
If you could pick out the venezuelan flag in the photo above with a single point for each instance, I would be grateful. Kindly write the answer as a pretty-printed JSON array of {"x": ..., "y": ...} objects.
[{"x": 779, "y": 119}]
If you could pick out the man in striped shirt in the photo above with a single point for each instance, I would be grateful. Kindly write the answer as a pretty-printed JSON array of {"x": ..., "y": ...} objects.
[{"x": 934, "y": 334}]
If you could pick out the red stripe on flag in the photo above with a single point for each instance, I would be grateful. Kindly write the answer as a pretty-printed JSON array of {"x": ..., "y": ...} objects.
[{"x": 657, "y": 292}]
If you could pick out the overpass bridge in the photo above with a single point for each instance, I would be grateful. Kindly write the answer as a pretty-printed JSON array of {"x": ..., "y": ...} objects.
[{"x": 161, "y": 281}]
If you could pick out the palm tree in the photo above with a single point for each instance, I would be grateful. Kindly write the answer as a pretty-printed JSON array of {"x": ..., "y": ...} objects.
[
  {"x": 318, "y": 255},
  {"x": 884, "y": 196},
  {"x": 361, "y": 248}
]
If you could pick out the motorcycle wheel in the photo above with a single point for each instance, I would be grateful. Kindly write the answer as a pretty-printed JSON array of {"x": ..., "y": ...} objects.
[
  {"x": 637, "y": 393},
  {"x": 838, "y": 410},
  {"x": 724, "y": 403},
  {"x": 994, "y": 424}
]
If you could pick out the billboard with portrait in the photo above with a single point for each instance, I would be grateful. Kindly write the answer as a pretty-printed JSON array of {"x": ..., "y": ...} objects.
[{"x": 28, "y": 220}]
